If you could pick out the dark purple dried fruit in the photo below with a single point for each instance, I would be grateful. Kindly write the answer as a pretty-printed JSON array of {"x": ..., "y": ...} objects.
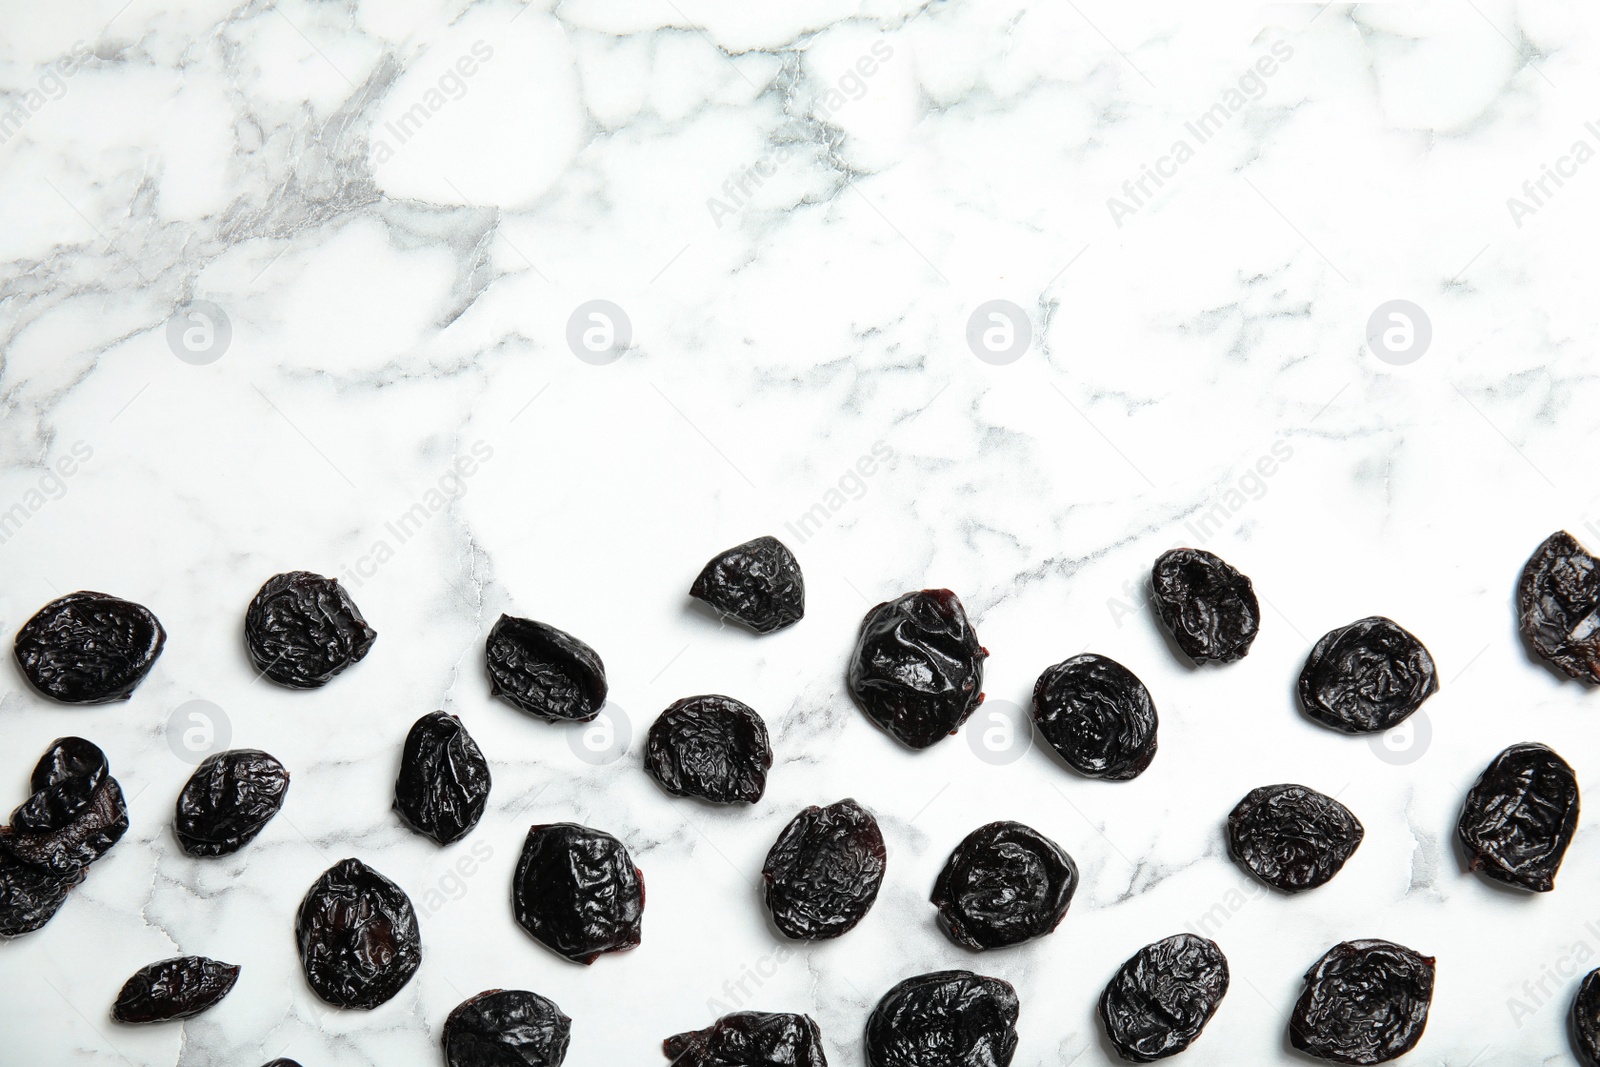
[
  {"x": 1098, "y": 715},
  {"x": 1364, "y": 1002},
  {"x": 506, "y": 1028},
  {"x": 444, "y": 780},
  {"x": 89, "y": 648},
  {"x": 577, "y": 892},
  {"x": 1586, "y": 1020},
  {"x": 1366, "y": 677},
  {"x": 75, "y": 814},
  {"x": 174, "y": 989},
  {"x": 1209, "y": 607},
  {"x": 823, "y": 873},
  {"x": 282, "y": 1063},
  {"x": 917, "y": 669},
  {"x": 750, "y": 1039},
  {"x": 64, "y": 782},
  {"x": 228, "y": 800},
  {"x": 1519, "y": 817},
  {"x": 1558, "y": 606},
  {"x": 759, "y": 583},
  {"x": 544, "y": 671},
  {"x": 358, "y": 937},
  {"x": 1006, "y": 883},
  {"x": 711, "y": 747},
  {"x": 1291, "y": 837},
  {"x": 944, "y": 1019},
  {"x": 29, "y": 896},
  {"x": 302, "y": 629},
  {"x": 1159, "y": 1000}
]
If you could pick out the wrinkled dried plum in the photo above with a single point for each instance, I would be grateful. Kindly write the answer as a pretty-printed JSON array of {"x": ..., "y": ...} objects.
[
  {"x": 917, "y": 668},
  {"x": 1558, "y": 605},
  {"x": 1159, "y": 1000},
  {"x": 1004, "y": 884},
  {"x": 282, "y": 1063},
  {"x": 302, "y": 629},
  {"x": 1291, "y": 837},
  {"x": 1366, "y": 677},
  {"x": 444, "y": 780},
  {"x": 29, "y": 896},
  {"x": 750, "y": 1039},
  {"x": 577, "y": 892},
  {"x": 506, "y": 1028},
  {"x": 64, "y": 783},
  {"x": 758, "y": 583},
  {"x": 544, "y": 671},
  {"x": 174, "y": 989},
  {"x": 1519, "y": 817},
  {"x": 711, "y": 747},
  {"x": 1098, "y": 715},
  {"x": 75, "y": 814},
  {"x": 1586, "y": 1020},
  {"x": 944, "y": 1019},
  {"x": 89, "y": 648},
  {"x": 823, "y": 873},
  {"x": 228, "y": 800},
  {"x": 1364, "y": 1002},
  {"x": 358, "y": 937},
  {"x": 1209, "y": 607}
]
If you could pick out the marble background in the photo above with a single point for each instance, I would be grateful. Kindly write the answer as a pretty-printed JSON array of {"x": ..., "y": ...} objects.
[{"x": 798, "y": 211}]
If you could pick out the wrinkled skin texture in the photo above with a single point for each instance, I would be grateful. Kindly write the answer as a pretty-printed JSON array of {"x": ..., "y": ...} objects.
[
  {"x": 302, "y": 629},
  {"x": 1098, "y": 715},
  {"x": 89, "y": 648},
  {"x": 358, "y": 937},
  {"x": 64, "y": 782},
  {"x": 944, "y": 1019},
  {"x": 750, "y": 1039},
  {"x": 174, "y": 989},
  {"x": 917, "y": 668},
  {"x": 544, "y": 671},
  {"x": 444, "y": 780},
  {"x": 1585, "y": 1021},
  {"x": 1519, "y": 817},
  {"x": 1209, "y": 607},
  {"x": 506, "y": 1028},
  {"x": 1159, "y": 1000},
  {"x": 1291, "y": 837},
  {"x": 76, "y": 812},
  {"x": 823, "y": 873},
  {"x": 283, "y": 1063},
  {"x": 578, "y": 893},
  {"x": 29, "y": 896},
  {"x": 228, "y": 800},
  {"x": 1366, "y": 677},
  {"x": 758, "y": 583},
  {"x": 711, "y": 747},
  {"x": 1364, "y": 1002},
  {"x": 1006, "y": 883},
  {"x": 1558, "y": 606}
]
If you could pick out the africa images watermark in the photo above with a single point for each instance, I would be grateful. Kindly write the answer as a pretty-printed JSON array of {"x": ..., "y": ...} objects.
[
  {"x": 1537, "y": 192},
  {"x": 450, "y": 486},
  {"x": 49, "y": 486},
  {"x": 851, "y": 486},
  {"x": 50, "y": 87},
  {"x": 451, "y": 85},
  {"x": 1553, "y": 977}
]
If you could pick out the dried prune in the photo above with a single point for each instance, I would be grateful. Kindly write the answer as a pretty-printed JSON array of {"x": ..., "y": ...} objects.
[
  {"x": 75, "y": 814},
  {"x": 1519, "y": 817},
  {"x": 823, "y": 873},
  {"x": 1098, "y": 715},
  {"x": 1209, "y": 607},
  {"x": 944, "y": 1019},
  {"x": 1291, "y": 837},
  {"x": 506, "y": 1028},
  {"x": 917, "y": 668},
  {"x": 577, "y": 892},
  {"x": 544, "y": 671},
  {"x": 1364, "y": 1002},
  {"x": 1366, "y": 677},
  {"x": 64, "y": 783},
  {"x": 1558, "y": 605},
  {"x": 444, "y": 780},
  {"x": 750, "y": 1039},
  {"x": 758, "y": 583},
  {"x": 89, "y": 648},
  {"x": 174, "y": 989},
  {"x": 711, "y": 747},
  {"x": 1159, "y": 1000},
  {"x": 282, "y": 1063},
  {"x": 29, "y": 896},
  {"x": 302, "y": 629},
  {"x": 358, "y": 937},
  {"x": 1006, "y": 883},
  {"x": 1586, "y": 1020},
  {"x": 228, "y": 800}
]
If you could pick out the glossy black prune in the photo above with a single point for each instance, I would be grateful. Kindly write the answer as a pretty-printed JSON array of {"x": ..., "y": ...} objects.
[
  {"x": 282, "y": 1063},
  {"x": 228, "y": 800},
  {"x": 1004, "y": 884},
  {"x": 823, "y": 873},
  {"x": 75, "y": 814},
  {"x": 1585, "y": 1020},
  {"x": 917, "y": 668},
  {"x": 544, "y": 671},
  {"x": 506, "y": 1028},
  {"x": 750, "y": 1039},
  {"x": 1207, "y": 605},
  {"x": 1366, "y": 677},
  {"x": 1160, "y": 1000},
  {"x": 577, "y": 892},
  {"x": 1291, "y": 837},
  {"x": 1558, "y": 606},
  {"x": 174, "y": 989},
  {"x": 358, "y": 937},
  {"x": 944, "y": 1019},
  {"x": 89, "y": 648},
  {"x": 1098, "y": 715},
  {"x": 303, "y": 629},
  {"x": 29, "y": 896},
  {"x": 1519, "y": 817},
  {"x": 64, "y": 782},
  {"x": 443, "y": 785},
  {"x": 758, "y": 583},
  {"x": 711, "y": 747},
  {"x": 1364, "y": 1002}
]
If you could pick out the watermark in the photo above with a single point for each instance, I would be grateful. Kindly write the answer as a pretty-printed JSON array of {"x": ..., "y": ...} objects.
[
  {"x": 1000, "y": 732},
  {"x": 449, "y": 86},
  {"x": 1223, "y": 911},
  {"x": 48, "y": 487},
  {"x": 1551, "y": 980},
  {"x": 448, "y": 487},
  {"x": 599, "y": 332},
  {"x": 740, "y": 990},
  {"x": 850, "y": 486},
  {"x": 1399, "y": 332},
  {"x": 50, "y": 87},
  {"x": 604, "y": 739},
  {"x": 452, "y": 884},
  {"x": 1537, "y": 191},
  {"x": 1404, "y": 743},
  {"x": 999, "y": 332},
  {"x": 199, "y": 333},
  {"x": 197, "y": 729}
]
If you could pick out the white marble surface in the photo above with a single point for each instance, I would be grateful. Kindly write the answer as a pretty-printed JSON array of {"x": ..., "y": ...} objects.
[{"x": 399, "y": 296}]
